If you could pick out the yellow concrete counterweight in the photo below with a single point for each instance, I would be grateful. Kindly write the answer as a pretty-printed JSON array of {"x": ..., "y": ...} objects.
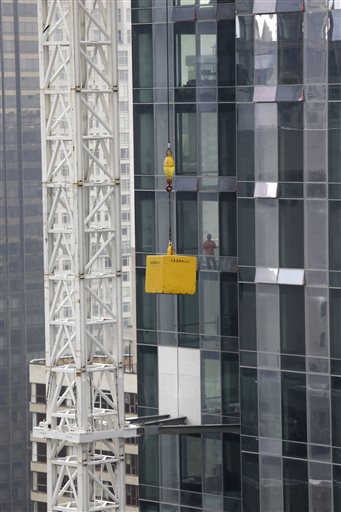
[{"x": 171, "y": 273}]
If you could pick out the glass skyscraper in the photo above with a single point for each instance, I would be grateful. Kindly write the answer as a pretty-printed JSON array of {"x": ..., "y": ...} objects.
[
  {"x": 21, "y": 259},
  {"x": 255, "y": 88}
]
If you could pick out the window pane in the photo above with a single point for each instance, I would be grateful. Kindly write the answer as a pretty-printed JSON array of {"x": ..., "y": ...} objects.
[
  {"x": 244, "y": 50},
  {"x": 334, "y": 235},
  {"x": 266, "y": 226},
  {"x": 187, "y": 223},
  {"x": 246, "y": 232},
  {"x": 231, "y": 465},
  {"x": 145, "y": 303},
  {"x": 250, "y": 482},
  {"x": 191, "y": 463},
  {"x": 209, "y": 294},
  {"x": 226, "y": 53},
  {"x": 144, "y": 140},
  {"x": 247, "y": 317},
  {"x": 266, "y": 49},
  {"x": 294, "y": 410},
  {"x": 208, "y": 130},
  {"x": 227, "y": 139},
  {"x": 291, "y": 238},
  {"x": 143, "y": 56},
  {"x": 245, "y": 142},
  {"x": 249, "y": 401},
  {"x": 295, "y": 485},
  {"x": 207, "y": 55},
  {"x": 292, "y": 319},
  {"x": 228, "y": 224},
  {"x": 337, "y": 487},
  {"x": 212, "y": 453},
  {"x": 210, "y": 384},
  {"x": 335, "y": 322},
  {"x": 185, "y": 55},
  {"x": 188, "y": 313},
  {"x": 335, "y": 47},
  {"x": 149, "y": 473},
  {"x": 336, "y": 410},
  {"x": 266, "y": 144},
  {"x": 290, "y": 61},
  {"x": 290, "y": 138},
  {"x": 230, "y": 386},
  {"x": 334, "y": 139},
  {"x": 145, "y": 222},
  {"x": 209, "y": 229},
  {"x": 147, "y": 377},
  {"x": 229, "y": 304},
  {"x": 186, "y": 140}
]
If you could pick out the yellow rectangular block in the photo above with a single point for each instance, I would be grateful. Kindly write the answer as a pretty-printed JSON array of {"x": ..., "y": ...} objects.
[{"x": 174, "y": 274}]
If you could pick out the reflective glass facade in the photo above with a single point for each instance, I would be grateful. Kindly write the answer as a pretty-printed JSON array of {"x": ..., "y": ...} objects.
[
  {"x": 21, "y": 259},
  {"x": 256, "y": 129}
]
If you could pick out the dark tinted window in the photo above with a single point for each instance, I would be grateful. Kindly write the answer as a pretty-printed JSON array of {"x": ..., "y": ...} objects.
[
  {"x": 335, "y": 47},
  {"x": 247, "y": 317},
  {"x": 229, "y": 304},
  {"x": 249, "y": 401},
  {"x": 144, "y": 139},
  {"x": 335, "y": 322},
  {"x": 294, "y": 411},
  {"x": 227, "y": 139},
  {"x": 290, "y": 62},
  {"x": 295, "y": 485},
  {"x": 147, "y": 377},
  {"x": 145, "y": 303},
  {"x": 291, "y": 237},
  {"x": 290, "y": 141},
  {"x": 186, "y": 140},
  {"x": 335, "y": 235},
  {"x": 231, "y": 465},
  {"x": 246, "y": 232},
  {"x": 292, "y": 321},
  {"x": 244, "y": 50},
  {"x": 187, "y": 223},
  {"x": 145, "y": 222},
  {"x": 143, "y": 56},
  {"x": 245, "y": 142},
  {"x": 228, "y": 224},
  {"x": 226, "y": 53},
  {"x": 336, "y": 410},
  {"x": 334, "y": 141},
  {"x": 230, "y": 386},
  {"x": 250, "y": 482}
]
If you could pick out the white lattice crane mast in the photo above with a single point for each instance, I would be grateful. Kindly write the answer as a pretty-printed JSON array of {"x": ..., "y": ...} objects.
[{"x": 84, "y": 428}]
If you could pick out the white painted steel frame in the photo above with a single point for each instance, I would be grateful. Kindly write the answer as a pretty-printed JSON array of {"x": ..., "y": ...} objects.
[{"x": 82, "y": 255}]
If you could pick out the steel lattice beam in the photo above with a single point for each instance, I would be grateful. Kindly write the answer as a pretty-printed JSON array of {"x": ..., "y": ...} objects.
[{"x": 81, "y": 207}]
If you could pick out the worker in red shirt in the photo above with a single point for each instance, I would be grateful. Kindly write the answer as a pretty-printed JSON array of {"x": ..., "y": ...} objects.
[{"x": 209, "y": 245}]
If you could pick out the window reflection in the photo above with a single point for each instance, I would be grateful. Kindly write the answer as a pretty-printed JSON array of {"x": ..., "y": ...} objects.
[
  {"x": 209, "y": 293},
  {"x": 244, "y": 50},
  {"x": 208, "y": 127},
  {"x": 185, "y": 75},
  {"x": 186, "y": 140},
  {"x": 207, "y": 55},
  {"x": 211, "y": 385},
  {"x": 266, "y": 49},
  {"x": 294, "y": 409},
  {"x": 290, "y": 48},
  {"x": 335, "y": 47},
  {"x": 191, "y": 463},
  {"x": 212, "y": 463},
  {"x": 290, "y": 141}
]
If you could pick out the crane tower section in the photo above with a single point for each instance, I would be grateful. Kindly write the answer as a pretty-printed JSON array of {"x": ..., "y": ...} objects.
[{"x": 84, "y": 426}]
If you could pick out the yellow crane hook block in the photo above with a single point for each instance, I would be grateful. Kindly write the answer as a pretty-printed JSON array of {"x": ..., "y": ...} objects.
[{"x": 174, "y": 274}]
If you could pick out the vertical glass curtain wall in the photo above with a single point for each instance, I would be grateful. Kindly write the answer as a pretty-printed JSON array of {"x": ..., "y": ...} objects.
[{"x": 255, "y": 124}]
